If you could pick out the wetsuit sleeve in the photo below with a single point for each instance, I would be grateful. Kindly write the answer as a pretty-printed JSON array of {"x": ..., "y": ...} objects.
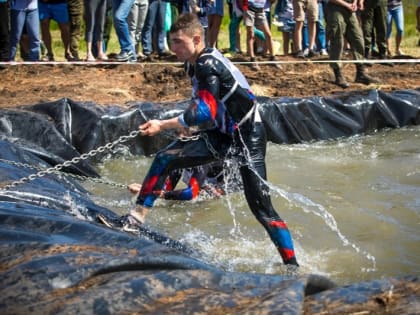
[
  {"x": 188, "y": 193},
  {"x": 205, "y": 104},
  {"x": 194, "y": 185}
]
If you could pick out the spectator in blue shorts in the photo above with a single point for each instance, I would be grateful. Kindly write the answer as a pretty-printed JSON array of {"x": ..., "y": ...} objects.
[{"x": 56, "y": 10}]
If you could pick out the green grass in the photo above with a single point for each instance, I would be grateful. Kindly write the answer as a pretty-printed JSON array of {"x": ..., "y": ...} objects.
[{"x": 409, "y": 42}]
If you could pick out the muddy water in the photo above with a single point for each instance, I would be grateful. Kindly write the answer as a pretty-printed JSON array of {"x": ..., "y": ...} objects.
[{"x": 352, "y": 205}]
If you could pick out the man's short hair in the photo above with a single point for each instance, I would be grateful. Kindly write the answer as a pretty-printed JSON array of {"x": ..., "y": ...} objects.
[{"x": 189, "y": 24}]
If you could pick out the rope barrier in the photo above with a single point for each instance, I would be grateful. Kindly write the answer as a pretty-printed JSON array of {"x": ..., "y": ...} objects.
[{"x": 177, "y": 63}]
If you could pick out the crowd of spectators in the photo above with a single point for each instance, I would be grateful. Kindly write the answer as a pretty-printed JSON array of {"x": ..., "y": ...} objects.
[{"x": 141, "y": 27}]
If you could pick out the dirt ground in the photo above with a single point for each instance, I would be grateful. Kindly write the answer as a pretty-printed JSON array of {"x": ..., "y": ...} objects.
[{"x": 165, "y": 80}]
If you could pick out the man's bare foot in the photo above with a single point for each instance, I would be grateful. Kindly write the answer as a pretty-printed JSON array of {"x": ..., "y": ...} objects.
[
  {"x": 139, "y": 213},
  {"x": 134, "y": 188}
]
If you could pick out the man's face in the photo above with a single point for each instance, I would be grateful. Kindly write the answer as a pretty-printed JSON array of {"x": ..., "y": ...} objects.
[{"x": 184, "y": 47}]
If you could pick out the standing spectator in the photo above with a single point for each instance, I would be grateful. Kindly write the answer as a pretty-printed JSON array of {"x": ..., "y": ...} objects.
[
  {"x": 302, "y": 9},
  {"x": 56, "y": 10},
  {"x": 95, "y": 11},
  {"x": 136, "y": 20},
  {"x": 24, "y": 13},
  {"x": 235, "y": 15},
  {"x": 260, "y": 43},
  {"x": 75, "y": 16},
  {"x": 254, "y": 15},
  {"x": 107, "y": 30},
  {"x": 342, "y": 21},
  {"x": 109, "y": 23},
  {"x": 155, "y": 21},
  {"x": 201, "y": 8},
  {"x": 283, "y": 18},
  {"x": 396, "y": 13},
  {"x": 320, "y": 46},
  {"x": 121, "y": 10},
  {"x": 321, "y": 38},
  {"x": 4, "y": 30},
  {"x": 373, "y": 17},
  {"x": 215, "y": 17}
]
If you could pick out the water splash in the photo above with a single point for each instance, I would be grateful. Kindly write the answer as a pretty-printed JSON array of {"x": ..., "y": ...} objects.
[
  {"x": 309, "y": 206},
  {"x": 230, "y": 173},
  {"x": 74, "y": 208}
]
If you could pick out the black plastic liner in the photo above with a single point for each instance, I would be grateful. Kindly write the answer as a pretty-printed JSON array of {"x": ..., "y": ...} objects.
[
  {"x": 57, "y": 259},
  {"x": 65, "y": 129},
  {"x": 292, "y": 120}
]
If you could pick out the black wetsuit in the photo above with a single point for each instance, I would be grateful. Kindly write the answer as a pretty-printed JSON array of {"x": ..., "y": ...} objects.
[{"x": 225, "y": 109}]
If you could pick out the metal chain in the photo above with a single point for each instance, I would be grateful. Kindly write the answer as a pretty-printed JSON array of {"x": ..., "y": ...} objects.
[
  {"x": 203, "y": 135},
  {"x": 96, "y": 180},
  {"x": 171, "y": 136},
  {"x": 75, "y": 160},
  {"x": 74, "y": 176},
  {"x": 213, "y": 151},
  {"x": 188, "y": 138},
  {"x": 92, "y": 153}
]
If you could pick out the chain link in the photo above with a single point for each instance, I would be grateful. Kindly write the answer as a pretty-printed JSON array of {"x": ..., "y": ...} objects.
[
  {"x": 74, "y": 176},
  {"x": 95, "y": 180},
  {"x": 75, "y": 160},
  {"x": 57, "y": 168},
  {"x": 189, "y": 138},
  {"x": 213, "y": 151},
  {"x": 203, "y": 135}
]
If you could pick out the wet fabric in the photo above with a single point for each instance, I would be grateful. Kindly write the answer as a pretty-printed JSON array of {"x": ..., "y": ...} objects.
[{"x": 222, "y": 99}]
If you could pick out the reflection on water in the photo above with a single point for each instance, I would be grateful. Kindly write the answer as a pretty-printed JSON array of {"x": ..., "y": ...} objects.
[{"x": 352, "y": 206}]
